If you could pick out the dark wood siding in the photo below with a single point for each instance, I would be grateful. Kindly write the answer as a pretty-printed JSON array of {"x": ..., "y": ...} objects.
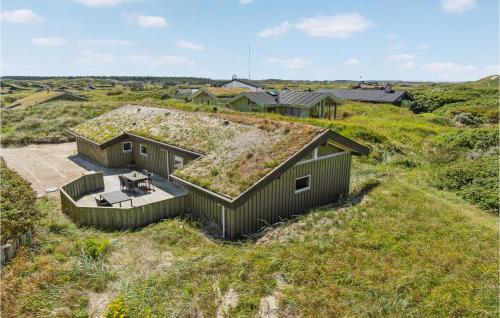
[
  {"x": 92, "y": 151},
  {"x": 278, "y": 200},
  {"x": 112, "y": 218},
  {"x": 200, "y": 203},
  {"x": 156, "y": 159},
  {"x": 117, "y": 158}
]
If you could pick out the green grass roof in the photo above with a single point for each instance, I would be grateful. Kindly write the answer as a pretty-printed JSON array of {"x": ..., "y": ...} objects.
[{"x": 238, "y": 149}]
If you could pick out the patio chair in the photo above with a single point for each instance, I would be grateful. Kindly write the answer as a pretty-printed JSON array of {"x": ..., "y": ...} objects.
[
  {"x": 149, "y": 181},
  {"x": 131, "y": 185},
  {"x": 123, "y": 183},
  {"x": 101, "y": 202}
]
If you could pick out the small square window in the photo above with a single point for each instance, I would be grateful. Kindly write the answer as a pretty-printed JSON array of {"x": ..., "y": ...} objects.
[
  {"x": 127, "y": 147},
  {"x": 143, "y": 150},
  {"x": 302, "y": 184},
  {"x": 178, "y": 162}
]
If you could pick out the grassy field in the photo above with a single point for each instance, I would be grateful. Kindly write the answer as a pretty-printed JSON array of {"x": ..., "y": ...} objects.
[
  {"x": 397, "y": 250},
  {"x": 417, "y": 237}
]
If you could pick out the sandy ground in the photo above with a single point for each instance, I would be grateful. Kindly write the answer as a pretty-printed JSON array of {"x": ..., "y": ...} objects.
[{"x": 44, "y": 165}]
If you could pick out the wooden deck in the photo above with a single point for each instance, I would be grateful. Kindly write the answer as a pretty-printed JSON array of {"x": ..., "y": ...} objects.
[{"x": 163, "y": 190}]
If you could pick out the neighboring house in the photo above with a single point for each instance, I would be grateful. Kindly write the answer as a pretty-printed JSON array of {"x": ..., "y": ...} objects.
[
  {"x": 184, "y": 93},
  {"x": 42, "y": 97},
  {"x": 239, "y": 172},
  {"x": 215, "y": 95},
  {"x": 387, "y": 95},
  {"x": 13, "y": 87},
  {"x": 288, "y": 102},
  {"x": 243, "y": 83}
]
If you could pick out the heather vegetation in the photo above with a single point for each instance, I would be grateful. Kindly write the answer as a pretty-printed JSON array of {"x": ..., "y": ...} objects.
[
  {"x": 17, "y": 202},
  {"x": 418, "y": 235}
]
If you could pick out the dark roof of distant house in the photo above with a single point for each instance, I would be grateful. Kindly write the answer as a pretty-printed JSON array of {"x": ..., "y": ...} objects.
[
  {"x": 366, "y": 95},
  {"x": 245, "y": 81},
  {"x": 285, "y": 97}
]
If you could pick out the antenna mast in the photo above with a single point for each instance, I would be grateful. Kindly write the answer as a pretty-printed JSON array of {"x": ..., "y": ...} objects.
[{"x": 248, "y": 60}]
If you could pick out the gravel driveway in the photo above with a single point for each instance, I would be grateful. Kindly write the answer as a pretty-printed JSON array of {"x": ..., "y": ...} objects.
[{"x": 50, "y": 165}]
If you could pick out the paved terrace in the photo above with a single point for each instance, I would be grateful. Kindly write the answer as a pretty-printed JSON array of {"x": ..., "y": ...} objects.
[{"x": 163, "y": 190}]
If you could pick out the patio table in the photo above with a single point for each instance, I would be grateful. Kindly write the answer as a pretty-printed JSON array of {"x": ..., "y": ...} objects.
[
  {"x": 135, "y": 177},
  {"x": 115, "y": 197}
]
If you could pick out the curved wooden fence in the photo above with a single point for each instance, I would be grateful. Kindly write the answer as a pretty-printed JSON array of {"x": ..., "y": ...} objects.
[{"x": 111, "y": 218}]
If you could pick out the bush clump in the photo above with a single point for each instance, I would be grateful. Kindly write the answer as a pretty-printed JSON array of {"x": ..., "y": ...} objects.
[
  {"x": 93, "y": 248},
  {"x": 117, "y": 308},
  {"x": 475, "y": 180},
  {"x": 17, "y": 202}
]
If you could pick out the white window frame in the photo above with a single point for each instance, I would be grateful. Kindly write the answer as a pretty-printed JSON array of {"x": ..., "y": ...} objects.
[
  {"x": 308, "y": 184},
  {"x": 178, "y": 160},
  {"x": 131, "y": 146},
  {"x": 141, "y": 146}
]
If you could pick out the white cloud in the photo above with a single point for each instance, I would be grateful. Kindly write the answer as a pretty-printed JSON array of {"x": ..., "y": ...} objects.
[
  {"x": 402, "y": 57},
  {"x": 189, "y": 45},
  {"x": 446, "y": 69},
  {"x": 352, "y": 62},
  {"x": 423, "y": 46},
  {"x": 105, "y": 42},
  {"x": 20, "y": 16},
  {"x": 100, "y": 3},
  {"x": 457, "y": 6},
  {"x": 244, "y": 2},
  {"x": 275, "y": 31},
  {"x": 49, "y": 41},
  {"x": 147, "y": 21},
  {"x": 148, "y": 60},
  {"x": 90, "y": 57},
  {"x": 341, "y": 25},
  {"x": 290, "y": 63},
  {"x": 407, "y": 65}
]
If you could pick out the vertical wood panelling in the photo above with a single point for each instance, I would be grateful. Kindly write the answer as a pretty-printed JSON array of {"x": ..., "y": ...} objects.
[
  {"x": 117, "y": 158},
  {"x": 92, "y": 151},
  {"x": 277, "y": 201},
  {"x": 156, "y": 159},
  {"x": 122, "y": 218}
]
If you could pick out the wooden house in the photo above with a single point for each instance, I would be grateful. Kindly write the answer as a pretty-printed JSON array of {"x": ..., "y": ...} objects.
[
  {"x": 381, "y": 95},
  {"x": 288, "y": 102},
  {"x": 243, "y": 83},
  {"x": 215, "y": 95},
  {"x": 240, "y": 172}
]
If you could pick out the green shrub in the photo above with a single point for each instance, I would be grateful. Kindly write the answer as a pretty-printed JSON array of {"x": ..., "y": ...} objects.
[
  {"x": 93, "y": 248},
  {"x": 461, "y": 143},
  {"x": 271, "y": 164},
  {"x": 117, "y": 308},
  {"x": 9, "y": 99},
  {"x": 483, "y": 192},
  {"x": 17, "y": 202},
  {"x": 475, "y": 180},
  {"x": 467, "y": 119},
  {"x": 472, "y": 139}
]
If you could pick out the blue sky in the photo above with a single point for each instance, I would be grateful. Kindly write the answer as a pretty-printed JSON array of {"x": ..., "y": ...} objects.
[{"x": 443, "y": 40}]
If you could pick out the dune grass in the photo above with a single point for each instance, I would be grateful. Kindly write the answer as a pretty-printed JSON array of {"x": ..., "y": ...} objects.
[
  {"x": 397, "y": 247},
  {"x": 399, "y": 251}
]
